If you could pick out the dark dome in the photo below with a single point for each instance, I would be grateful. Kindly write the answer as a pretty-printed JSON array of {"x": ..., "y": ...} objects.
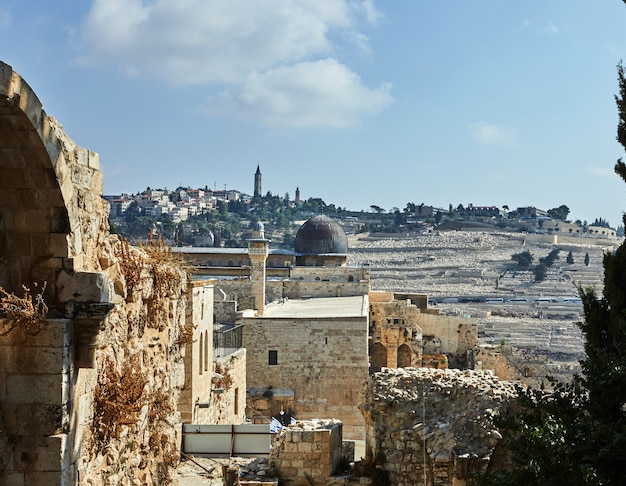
[{"x": 321, "y": 235}]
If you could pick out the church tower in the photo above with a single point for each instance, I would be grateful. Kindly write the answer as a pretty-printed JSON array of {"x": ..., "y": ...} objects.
[
  {"x": 257, "y": 182},
  {"x": 297, "y": 194}
]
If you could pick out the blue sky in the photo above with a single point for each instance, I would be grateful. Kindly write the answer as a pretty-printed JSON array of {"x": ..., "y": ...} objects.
[{"x": 361, "y": 103}]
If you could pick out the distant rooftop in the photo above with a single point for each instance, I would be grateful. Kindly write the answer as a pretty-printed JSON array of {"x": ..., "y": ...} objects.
[{"x": 320, "y": 307}]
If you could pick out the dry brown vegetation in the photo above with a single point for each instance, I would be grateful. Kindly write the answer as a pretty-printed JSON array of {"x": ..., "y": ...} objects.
[
  {"x": 119, "y": 398},
  {"x": 27, "y": 313},
  {"x": 185, "y": 334},
  {"x": 131, "y": 263},
  {"x": 226, "y": 382},
  {"x": 165, "y": 271}
]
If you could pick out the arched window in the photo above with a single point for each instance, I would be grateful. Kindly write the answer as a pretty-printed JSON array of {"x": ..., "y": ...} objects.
[
  {"x": 378, "y": 356},
  {"x": 404, "y": 356},
  {"x": 201, "y": 353},
  {"x": 350, "y": 278},
  {"x": 206, "y": 350}
]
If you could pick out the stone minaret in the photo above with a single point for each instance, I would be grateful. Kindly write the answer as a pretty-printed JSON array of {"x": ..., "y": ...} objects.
[
  {"x": 257, "y": 182},
  {"x": 258, "y": 249},
  {"x": 297, "y": 194}
]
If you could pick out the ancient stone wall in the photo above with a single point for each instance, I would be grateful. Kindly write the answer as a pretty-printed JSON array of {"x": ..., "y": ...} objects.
[
  {"x": 310, "y": 283},
  {"x": 308, "y": 452},
  {"x": 89, "y": 394},
  {"x": 427, "y": 426},
  {"x": 395, "y": 337},
  {"x": 35, "y": 405},
  {"x": 225, "y": 401},
  {"x": 458, "y": 335}
]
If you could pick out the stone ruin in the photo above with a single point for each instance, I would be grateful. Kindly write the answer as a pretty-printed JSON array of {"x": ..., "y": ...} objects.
[
  {"x": 92, "y": 331},
  {"x": 433, "y": 423}
]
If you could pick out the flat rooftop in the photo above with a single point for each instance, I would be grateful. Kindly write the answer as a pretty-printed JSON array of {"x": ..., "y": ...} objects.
[{"x": 323, "y": 307}]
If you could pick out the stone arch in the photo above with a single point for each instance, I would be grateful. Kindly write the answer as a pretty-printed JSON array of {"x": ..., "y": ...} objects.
[
  {"x": 53, "y": 227},
  {"x": 50, "y": 194},
  {"x": 378, "y": 356},
  {"x": 404, "y": 356}
]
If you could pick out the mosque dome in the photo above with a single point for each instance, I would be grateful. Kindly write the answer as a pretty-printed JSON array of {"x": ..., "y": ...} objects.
[{"x": 321, "y": 235}]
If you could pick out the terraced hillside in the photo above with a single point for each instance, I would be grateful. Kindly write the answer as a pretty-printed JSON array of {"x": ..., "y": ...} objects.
[{"x": 471, "y": 273}]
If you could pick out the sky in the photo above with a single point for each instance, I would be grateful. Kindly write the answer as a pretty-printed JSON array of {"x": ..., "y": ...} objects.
[{"x": 357, "y": 102}]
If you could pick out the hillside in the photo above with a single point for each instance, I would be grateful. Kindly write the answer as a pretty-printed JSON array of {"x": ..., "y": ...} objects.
[{"x": 471, "y": 273}]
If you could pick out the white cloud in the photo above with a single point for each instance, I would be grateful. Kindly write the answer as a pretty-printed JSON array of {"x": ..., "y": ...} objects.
[
  {"x": 369, "y": 10},
  {"x": 249, "y": 49},
  {"x": 310, "y": 94},
  {"x": 492, "y": 134},
  {"x": 198, "y": 41},
  {"x": 552, "y": 29},
  {"x": 601, "y": 171}
]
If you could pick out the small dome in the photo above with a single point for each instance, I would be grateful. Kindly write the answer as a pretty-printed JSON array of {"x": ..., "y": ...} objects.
[{"x": 321, "y": 235}]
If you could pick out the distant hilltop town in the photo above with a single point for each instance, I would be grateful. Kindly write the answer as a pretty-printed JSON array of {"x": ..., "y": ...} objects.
[{"x": 205, "y": 217}]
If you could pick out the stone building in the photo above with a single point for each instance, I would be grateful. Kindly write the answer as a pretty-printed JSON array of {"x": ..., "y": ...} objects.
[
  {"x": 312, "y": 328},
  {"x": 304, "y": 323},
  {"x": 405, "y": 332},
  {"x": 214, "y": 391},
  {"x": 310, "y": 358}
]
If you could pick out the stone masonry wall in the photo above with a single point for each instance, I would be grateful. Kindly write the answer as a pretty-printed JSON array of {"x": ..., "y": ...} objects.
[
  {"x": 198, "y": 358},
  {"x": 323, "y": 360},
  {"x": 308, "y": 452},
  {"x": 394, "y": 324},
  {"x": 428, "y": 426},
  {"x": 91, "y": 397},
  {"x": 457, "y": 335},
  {"x": 228, "y": 400}
]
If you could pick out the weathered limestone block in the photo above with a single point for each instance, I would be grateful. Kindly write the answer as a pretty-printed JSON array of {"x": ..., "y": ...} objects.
[
  {"x": 308, "y": 452},
  {"x": 84, "y": 287}
]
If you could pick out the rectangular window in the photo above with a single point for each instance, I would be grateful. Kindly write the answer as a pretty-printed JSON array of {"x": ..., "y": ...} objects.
[{"x": 273, "y": 357}]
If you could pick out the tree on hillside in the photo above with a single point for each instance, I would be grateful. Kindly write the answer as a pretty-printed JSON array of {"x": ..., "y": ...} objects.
[
  {"x": 587, "y": 259},
  {"x": 570, "y": 258},
  {"x": 524, "y": 259},
  {"x": 549, "y": 260},
  {"x": 576, "y": 434},
  {"x": 559, "y": 213},
  {"x": 410, "y": 207}
]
